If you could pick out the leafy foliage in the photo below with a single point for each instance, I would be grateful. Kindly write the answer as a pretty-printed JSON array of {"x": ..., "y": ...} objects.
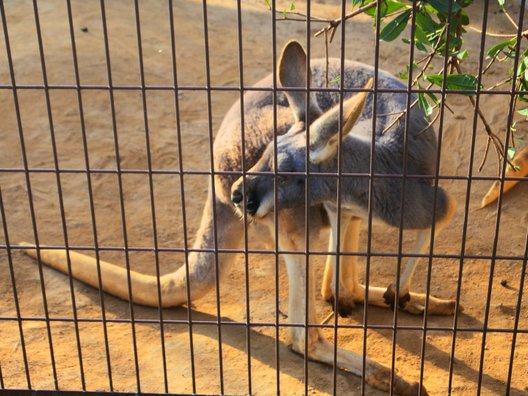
[{"x": 437, "y": 32}]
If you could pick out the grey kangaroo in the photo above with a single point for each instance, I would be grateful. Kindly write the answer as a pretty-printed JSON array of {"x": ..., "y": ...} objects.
[
  {"x": 323, "y": 115},
  {"x": 259, "y": 131}
]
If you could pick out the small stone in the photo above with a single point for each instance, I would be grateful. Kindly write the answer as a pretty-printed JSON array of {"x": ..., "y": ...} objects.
[
  {"x": 504, "y": 282},
  {"x": 84, "y": 29}
]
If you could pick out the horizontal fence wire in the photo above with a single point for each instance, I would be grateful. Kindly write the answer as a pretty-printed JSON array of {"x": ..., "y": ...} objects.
[{"x": 303, "y": 323}]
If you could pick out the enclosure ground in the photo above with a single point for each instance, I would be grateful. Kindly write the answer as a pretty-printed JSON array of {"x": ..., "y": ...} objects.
[{"x": 455, "y": 159}]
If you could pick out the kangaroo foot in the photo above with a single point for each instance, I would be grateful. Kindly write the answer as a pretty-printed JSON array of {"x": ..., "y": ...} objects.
[
  {"x": 414, "y": 303},
  {"x": 345, "y": 305},
  {"x": 376, "y": 375}
]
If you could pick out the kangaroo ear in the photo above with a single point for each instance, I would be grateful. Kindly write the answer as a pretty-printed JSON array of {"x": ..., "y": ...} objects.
[
  {"x": 292, "y": 74},
  {"x": 324, "y": 133}
]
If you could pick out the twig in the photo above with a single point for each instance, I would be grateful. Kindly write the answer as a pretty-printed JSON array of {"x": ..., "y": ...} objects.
[
  {"x": 493, "y": 59},
  {"x": 510, "y": 18},
  {"x": 497, "y": 143},
  {"x": 327, "y": 62},
  {"x": 483, "y": 161},
  {"x": 333, "y": 24},
  {"x": 313, "y": 18},
  {"x": 327, "y": 318},
  {"x": 524, "y": 33},
  {"x": 430, "y": 123},
  {"x": 499, "y": 84},
  {"x": 289, "y": 19}
]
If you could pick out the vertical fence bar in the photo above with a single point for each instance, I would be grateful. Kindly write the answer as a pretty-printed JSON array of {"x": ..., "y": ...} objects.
[
  {"x": 468, "y": 195},
  {"x": 213, "y": 191},
  {"x": 59, "y": 188},
  {"x": 151, "y": 193},
  {"x": 121, "y": 192},
  {"x": 370, "y": 199},
  {"x": 90, "y": 192},
  {"x": 500, "y": 197},
  {"x": 307, "y": 201},
  {"x": 402, "y": 195},
  {"x": 244, "y": 170},
  {"x": 15, "y": 292},
  {"x": 275, "y": 189},
  {"x": 182, "y": 191},
  {"x": 337, "y": 241},
  {"x": 29, "y": 192},
  {"x": 445, "y": 72}
]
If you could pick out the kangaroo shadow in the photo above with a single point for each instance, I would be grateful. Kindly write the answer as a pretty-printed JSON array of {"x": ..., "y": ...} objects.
[
  {"x": 235, "y": 334},
  {"x": 264, "y": 347},
  {"x": 411, "y": 341}
]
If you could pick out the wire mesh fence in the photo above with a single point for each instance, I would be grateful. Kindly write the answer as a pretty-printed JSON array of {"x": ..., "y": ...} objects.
[{"x": 124, "y": 123}]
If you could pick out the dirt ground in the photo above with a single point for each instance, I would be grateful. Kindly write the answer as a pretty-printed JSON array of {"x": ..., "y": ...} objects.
[{"x": 257, "y": 46}]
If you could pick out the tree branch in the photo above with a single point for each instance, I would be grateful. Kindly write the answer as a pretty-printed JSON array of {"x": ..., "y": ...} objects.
[{"x": 333, "y": 24}]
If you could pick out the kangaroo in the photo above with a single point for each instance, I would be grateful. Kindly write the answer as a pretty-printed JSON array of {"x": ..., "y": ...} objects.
[
  {"x": 387, "y": 204},
  {"x": 226, "y": 201}
]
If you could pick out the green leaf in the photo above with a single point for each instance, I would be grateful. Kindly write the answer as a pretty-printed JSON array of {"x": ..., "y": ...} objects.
[
  {"x": 501, "y": 2},
  {"x": 464, "y": 3},
  {"x": 523, "y": 112},
  {"x": 493, "y": 51},
  {"x": 387, "y": 7},
  {"x": 455, "y": 81},
  {"x": 443, "y": 6},
  {"x": 426, "y": 23},
  {"x": 424, "y": 104},
  {"x": 268, "y": 3},
  {"x": 292, "y": 6},
  {"x": 463, "y": 54},
  {"x": 433, "y": 98},
  {"x": 464, "y": 18},
  {"x": 511, "y": 152},
  {"x": 335, "y": 80},
  {"x": 393, "y": 29},
  {"x": 420, "y": 38}
]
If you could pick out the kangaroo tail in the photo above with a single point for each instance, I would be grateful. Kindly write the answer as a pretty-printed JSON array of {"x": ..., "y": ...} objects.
[{"x": 202, "y": 265}]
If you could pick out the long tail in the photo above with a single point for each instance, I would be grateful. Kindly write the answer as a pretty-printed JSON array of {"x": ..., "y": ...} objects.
[{"x": 173, "y": 285}]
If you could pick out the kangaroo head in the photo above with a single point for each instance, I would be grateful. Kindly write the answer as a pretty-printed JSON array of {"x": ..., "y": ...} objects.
[{"x": 290, "y": 164}]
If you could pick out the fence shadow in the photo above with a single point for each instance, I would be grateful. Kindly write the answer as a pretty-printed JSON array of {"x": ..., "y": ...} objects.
[{"x": 263, "y": 346}]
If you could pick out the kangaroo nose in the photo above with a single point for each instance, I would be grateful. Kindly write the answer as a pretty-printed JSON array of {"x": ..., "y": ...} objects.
[
  {"x": 252, "y": 207},
  {"x": 237, "y": 197}
]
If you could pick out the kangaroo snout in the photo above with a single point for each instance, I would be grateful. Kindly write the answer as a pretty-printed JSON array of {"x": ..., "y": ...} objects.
[
  {"x": 252, "y": 206},
  {"x": 251, "y": 202},
  {"x": 237, "y": 197}
]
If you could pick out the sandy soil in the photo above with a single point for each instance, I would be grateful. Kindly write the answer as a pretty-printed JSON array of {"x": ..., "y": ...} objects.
[{"x": 455, "y": 159}]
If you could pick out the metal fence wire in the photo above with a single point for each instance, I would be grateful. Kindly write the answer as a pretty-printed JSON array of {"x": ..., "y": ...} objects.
[{"x": 116, "y": 115}]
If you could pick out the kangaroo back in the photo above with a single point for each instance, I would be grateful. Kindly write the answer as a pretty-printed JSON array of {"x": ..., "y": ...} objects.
[{"x": 259, "y": 128}]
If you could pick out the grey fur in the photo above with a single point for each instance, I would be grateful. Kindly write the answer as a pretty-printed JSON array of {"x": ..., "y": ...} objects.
[{"x": 356, "y": 149}]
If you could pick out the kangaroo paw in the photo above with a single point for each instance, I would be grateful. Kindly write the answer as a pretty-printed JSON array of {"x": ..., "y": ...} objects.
[
  {"x": 345, "y": 305},
  {"x": 414, "y": 303},
  {"x": 390, "y": 298}
]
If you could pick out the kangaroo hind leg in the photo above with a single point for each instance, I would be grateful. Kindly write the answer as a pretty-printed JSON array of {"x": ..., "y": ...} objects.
[
  {"x": 415, "y": 302},
  {"x": 347, "y": 284},
  {"x": 310, "y": 341}
]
